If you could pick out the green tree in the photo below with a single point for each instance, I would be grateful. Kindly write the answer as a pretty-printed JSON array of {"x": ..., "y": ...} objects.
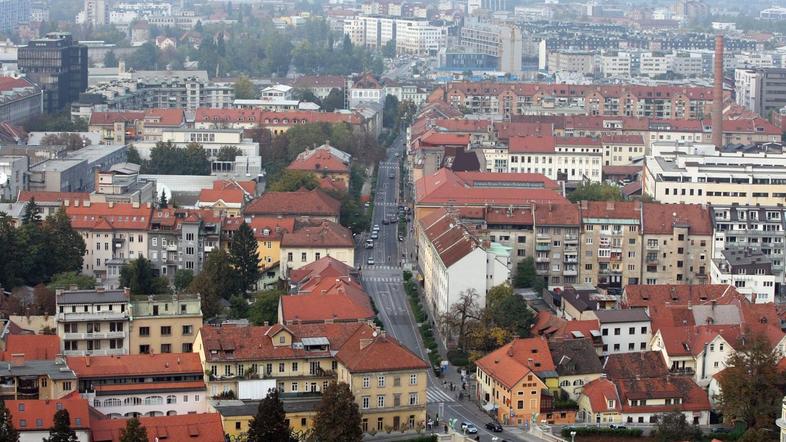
[
  {"x": 163, "y": 203},
  {"x": 144, "y": 58},
  {"x": 269, "y": 424},
  {"x": 133, "y": 432},
  {"x": 133, "y": 156},
  {"x": 216, "y": 281},
  {"x": 279, "y": 54},
  {"x": 110, "y": 60},
  {"x": 496, "y": 294},
  {"x": 306, "y": 136},
  {"x": 245, "y": 89},
  {"x": 244, "y": 257},
  {"x": 750, "y": 384},
  {"x": 673, "y": 427},
  {"x": 514, "y": 314},
  {"x": 238, "y": 307},
  {"x": 265, "y": 307},
  {"x": 61, "y": 429},
  {"x": 588, "y": 191},
  {"x": 527, "y": 277},
  {"x": 292, "y": 180},
  {"x": 138, "y": 275},
  {"x": 67, "y": 279},
  {"x": 31, "y": 212},
  {"x": 334, "y": 100},
  {"x": 307, "y": 96},
  {"x": 11, "y": 255},
  {"x": 7, "y": 431},
  {"x": 389, "y": 50},
  {"x": 390, "y": 112},
  {"x": 66, "y": 246},
  {"x": 228, "y": 153},
  {"x": 338, "y": 417},
  {"x": 183, "y": 278},
  {"x": 71, "y": 141},
  {"x": 168, "y": 159}
]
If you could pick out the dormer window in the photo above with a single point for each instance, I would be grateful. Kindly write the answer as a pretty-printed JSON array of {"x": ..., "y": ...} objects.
[{"x": 611, "y": 403}]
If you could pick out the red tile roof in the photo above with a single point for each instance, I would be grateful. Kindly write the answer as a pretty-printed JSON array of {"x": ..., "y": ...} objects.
[
  {"x": 600, "y": 392},
  {"x": 611, "y": 210},
  {"x": 51, "y": 197},
  {"x": 694, "y": 398},
  {"x": 262, "y": 118},
  {"x": 484, "y": 188},
  {"x": 495, "y": 215},
  {"x": 532, "y": 144},
  {"x": 9, "y": 83},
  {"x": 134, "y": 365},
  {"x": 645, "y": 364},
  {"x": 682, "y": 294},
  {"x": 159, "y": 117},
  {"x": 43, "y": 411},
  {"x": 366, "y": 353},
  {"x": 275, "y": 227},
  {"x": 311, "y": 273},
  {"x": 511, "y": 362},
  {"x": 321, "y": 234},
  {"x": 150, "y": 387},
  {"x": 232, "y": 192},
  {"x": 661, "y": 219},
  {"x": 549, "y": 325},
  {"x": 558, "y": 213},
  {"x": 444, "y": 139},
  {"x": 449, "y": 237},
  {"x": 622, "y": 139},
  {"x": 578, "y": 141},
  {"x": 300, "y": 203},
  {"x": 205, "y": 427},
  {"x": 319, "y": 160},
  {"x": 100, "y": 216},
  {"x": 34, "y": 347},
  {"x": 110, "y": 118},
  {"x": 331, "y": 300}
]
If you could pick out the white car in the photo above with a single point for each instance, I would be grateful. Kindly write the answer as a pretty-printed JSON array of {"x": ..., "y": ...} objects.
[
  {"x": 375, "y": 228},
  {"x": 469, "y": 428},
  {"x": 370, "y": 261}
]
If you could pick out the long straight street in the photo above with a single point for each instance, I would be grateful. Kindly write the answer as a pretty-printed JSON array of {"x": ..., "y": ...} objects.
[{"x": 384, "y": 282}]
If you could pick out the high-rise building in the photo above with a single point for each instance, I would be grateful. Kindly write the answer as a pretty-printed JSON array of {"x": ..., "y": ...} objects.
[
  {"x": 499, "y": 40},
  {"x": 58, "y": 65},
  {"x": 761, "y": 90},
  {"x": 96, "y": 12},
  {"x": 12, "y": 13}
]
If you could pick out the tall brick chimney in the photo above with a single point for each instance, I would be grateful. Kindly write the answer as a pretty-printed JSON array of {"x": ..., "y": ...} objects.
[{"x": 717, "y": 95}]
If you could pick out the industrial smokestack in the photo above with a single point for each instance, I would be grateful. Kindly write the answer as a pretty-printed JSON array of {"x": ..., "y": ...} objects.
[{"x": 717, "y": 95}]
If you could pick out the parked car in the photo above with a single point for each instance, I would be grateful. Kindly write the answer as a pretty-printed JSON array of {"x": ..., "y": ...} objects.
[
  {"x": 370, "y": 261},
  {"x": 494, "y": 426},
  {"x": 469, "y": 428},
  {"x": 374, "y": 235},
  {"x": 618, "y": 427},
  {"x": 369, "y": 243}
]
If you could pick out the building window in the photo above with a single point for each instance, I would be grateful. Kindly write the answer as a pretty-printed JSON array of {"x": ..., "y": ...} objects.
[
  {"x": 166, "y": 348},
  {"x": 365, "y": 401},
  {"x": 188, "y": 330},
  {"x": 187, "y": 348},
  {"x": 144, "y": 349},
  {"x": 413, "y": 379},
  {"x": 144, "y": 331},
  {"x": 380, "y": 401},
  {"x": 381, "y": 381},
  {"x": 166, "y": 330},
  {"x": 366, "y": 382},
  {"x": 413, "y": 399},
  {"x": 303, "y": 257}
]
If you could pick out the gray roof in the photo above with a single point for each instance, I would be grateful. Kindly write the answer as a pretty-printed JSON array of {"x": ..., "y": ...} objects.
[
  {"x": 91, "y": 297},
  {"x": 56, "y": 370},
  {"x": 716, "y": 314},
  {"x": 575, "y": 356},
  {"x": 237, "y": 407},
  {"x": 624, "y": 315}
]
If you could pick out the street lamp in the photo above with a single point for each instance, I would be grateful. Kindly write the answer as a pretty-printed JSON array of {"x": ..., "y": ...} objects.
[{"x": 572, "y": 436}]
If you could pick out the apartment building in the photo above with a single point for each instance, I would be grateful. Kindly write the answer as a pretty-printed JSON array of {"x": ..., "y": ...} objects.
[
  {"x": 624, "y": 331},
  {"x": 761, "y": 90},
  {"x": 302, "y": 204},
  {"x": 558, "y": 158},
  {"x": 557, "y": 243},
  {"x": 580, "y": 62},
  {"x": 409, "y": 35},
  {"x": 678, "y": 240},
  {"x": 679, "y": 102},
  {"x": 750, "y": 272},
  {"x": 276, "y": 122},
  {"x": 20, "y": 100},
  {"x": 13, "y": 13},
  {"x": 164, "y": 323},
  {"x": 113, "y": 234},
  {"x": 313, "y": 240},
  {"x": 22, "y": 377},
  {"x": 615, "y": 64},
  {"x": 93, "y": 322},
  {"x": 751, "y": 229},
  {"x": 611, "y": 243},
  {"x": 751, "y": 178},
  {"x": 181, "y": 239},
  {"x": 499, "y": 40},
  {"x": 148, "y": 125},
  {"x": 653, "y": 64},
  {"x": 622, "y": 150}
]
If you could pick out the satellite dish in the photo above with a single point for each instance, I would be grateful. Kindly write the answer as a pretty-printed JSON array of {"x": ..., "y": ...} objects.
[
  {"x": 374, "y": 334},
  {"x": 3, "y": 178}
]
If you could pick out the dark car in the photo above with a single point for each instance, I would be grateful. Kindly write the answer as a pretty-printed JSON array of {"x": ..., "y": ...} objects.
[
  {"x": 493, "y": 426},
  {"x": 618, "y": 427}
]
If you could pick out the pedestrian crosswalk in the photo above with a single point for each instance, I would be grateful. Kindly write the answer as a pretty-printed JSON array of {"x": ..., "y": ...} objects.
[
  {"x": 376, "y": 267},
  {"x": 381, "y": 279},
  {"x": 436, "y": 394}
]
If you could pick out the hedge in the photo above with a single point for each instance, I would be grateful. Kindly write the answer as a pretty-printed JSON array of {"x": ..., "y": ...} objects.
[{"x": 601, "y": 431}]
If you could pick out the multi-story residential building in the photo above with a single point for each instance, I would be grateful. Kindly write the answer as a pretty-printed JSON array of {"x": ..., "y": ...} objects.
[
  {"x": 749, "y": 271},
  {"x": 558, "y": 158},
  {"x": 498, "y": 40},
  {"x": 20, "y": 100},
  {"x": 557, "y": 243},
  {"x": 576, "y": 363},
  {"x": 653, "y": 64},
  {"x": 621, "y": 150},
  {"x": 268, "y": 233},
  {"x": 752, "y": 178},
  {"x": 512, "y": 228},
  {"x": 677, "y": 244},
  {"x": 75, "y": 171},
  {"x": 148, "y": 125},
  {"x": 33, "y": 418},
  {"x": 93, "y": 322},
  {"x": 13, "y": 13},
  {"x": 761, "y": 90},
  {"x": 580, "y": 62},
  {"x": 610, "y": 243},
  {"x": 113, "y": 234},
  {"x": 324, "y": 161},
  {"x": 624, "y": 331},
  {"x": 311, "y": 241},
  {"x": 410, "y": 36},
  {"x": 303, "y": 359},
  {"x": 164, "y": 323},
  {"x": 677, "y": 102},
  {"x": 365, "y": 89},
  {"x": 58, "y": 65},
  {"x": 276, "y": 122},
  {"x": 13, "y": 176},
  {"x": 142, "y": 385},
  {"x": 206, "y": 427},
  {"x": 511, "y": 379},
  {"x": 756, "y": 229},
  {"x": 615, "y": 64},
  {"x": 121, "y": 184},
  {"x": 23, "y": 378},
  {"x": 455, "y": 262},
  {"x": 227, "y": 197},
  {"x": 181, "y": 239}
]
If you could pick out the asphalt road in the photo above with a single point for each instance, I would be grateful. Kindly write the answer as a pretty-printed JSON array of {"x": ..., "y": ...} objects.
[{"x": 383, "y": 281}]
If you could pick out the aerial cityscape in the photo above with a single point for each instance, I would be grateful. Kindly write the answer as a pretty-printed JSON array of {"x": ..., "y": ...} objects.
[{"x": 392, "y": 220}]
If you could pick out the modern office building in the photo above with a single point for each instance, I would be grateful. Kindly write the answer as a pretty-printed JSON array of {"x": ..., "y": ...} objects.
[
  {"x": 761, "y": 90},
  {"x": 498, "y": 40},
  {"x": 12, "y": 13},
  {"x": 58, "y": 65}
]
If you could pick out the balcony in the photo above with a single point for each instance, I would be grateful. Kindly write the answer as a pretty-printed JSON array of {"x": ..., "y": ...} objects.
[
  {"x": 171, "y": 248},
  {"x": 99, "y": 352},
  {"x": 688, "y": 371},
  {"x": 571, "y": 249},
  {"x": 542, "y": 259},
  {"x": 97, "y": 316},
  {"x": 542, "y": 247},
  {"x": 570, "y": 238},
  {"x": 543, "y": 236},
  {"x": 571, "y": 260},
  {"x": 98, "y": 335},
  {"x": 653, "y": 246},
  {"x": 7, "y": 390},
  {"x": 570, "y": 272},
  {"x": 651, "y": 260}
]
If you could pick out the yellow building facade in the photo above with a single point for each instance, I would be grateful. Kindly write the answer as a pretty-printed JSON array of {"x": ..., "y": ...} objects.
[{"x": 164, "y": 323}]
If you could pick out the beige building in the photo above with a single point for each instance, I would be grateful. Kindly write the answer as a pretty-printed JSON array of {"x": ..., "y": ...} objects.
[
  {"x": 164, "y": 323},
  {"x": 610, "y": 243},
  {"x": 557, "y": 243},
  {"x": 622, "y": 150},
  {"x": 93, "y": 322},
  {"x": 677, "y": 243},
  {"x": 312, "y": 241}
]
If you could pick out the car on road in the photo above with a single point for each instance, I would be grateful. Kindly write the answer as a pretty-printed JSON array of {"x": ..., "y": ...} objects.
[
  {"x": 370, "y": 261},
  {"x": 374, "y": 235},
  {"x": 469, "y": 428},
  {"x": 400, "y": 238},
  {"x": 618, "y": 427},
  {"x": 392, "y": 175},
  {"x": 386, "y": 221},
  {"x": 369, "y": 243},
  {"x": 375, "y": 228},
  {"x": 398, "y": 154},
  {"x": 494, "y": 426}
]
